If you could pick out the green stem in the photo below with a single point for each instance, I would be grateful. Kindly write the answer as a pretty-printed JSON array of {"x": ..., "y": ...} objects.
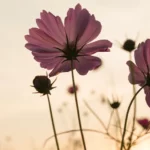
[
  {"x": 77, "y": 106},
  {"x": 126, "y": 119},
  {"x": 53, "y": 124}
]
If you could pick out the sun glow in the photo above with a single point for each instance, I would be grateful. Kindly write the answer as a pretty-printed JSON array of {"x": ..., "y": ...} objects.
[{"x": 142, "y": 146}]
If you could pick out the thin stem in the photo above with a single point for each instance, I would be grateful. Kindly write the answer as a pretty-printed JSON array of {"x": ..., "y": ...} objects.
[
  {"x": 141, "y": 134},
  {"x": 77, "y": 130},
  {"x": 107, "y": 129},
  {"x": 119, "y": 121},
  {"x": 101, "y": 122},
  {"x": 97, "y": 117},
  {"x": 53, "y": 124},
  {"x": 77, "y": 106},
  {"x": 135, "y": 107},
  {"x": 126, "y": 119}
]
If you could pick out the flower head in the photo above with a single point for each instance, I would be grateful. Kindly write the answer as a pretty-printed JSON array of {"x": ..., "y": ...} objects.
[
  {"x": 141, "y": 71},
  {"x": 129, "y": 45},
  {"x": 55, "y": 45},
  {"x": 144, "y": 122},
  {"x": 115, "y": 105},
  {"x": 43, "y": 84}
]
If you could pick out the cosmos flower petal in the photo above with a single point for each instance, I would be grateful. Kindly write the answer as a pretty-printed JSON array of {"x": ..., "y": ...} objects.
[
  {"x": 86, "y": 63},
  {"x": 147, "y": 53},
  {"x": 64, "y": 66},
  {"x": 45, "y": 63},
  {"x": 137, "y": 77},
  {"x": 76, "y": 22},
  {"x": 139, "y": 58},
  {"x": 40, "y": 38},
  {"x": 97, "y": 46},
  {"x": 52, "y": 25},
  {"x": 47, "y": 60},
  {"x": 38, "y": 49},
  {"x": 91, "y": 32},
  {"x": 147, "y": 92}
]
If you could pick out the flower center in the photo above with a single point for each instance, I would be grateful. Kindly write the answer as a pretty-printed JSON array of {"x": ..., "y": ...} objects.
[
  {"x": 129, "y": 45},
  {"x": 70, "y": 52},
  {"x": 148, "y": 79}
]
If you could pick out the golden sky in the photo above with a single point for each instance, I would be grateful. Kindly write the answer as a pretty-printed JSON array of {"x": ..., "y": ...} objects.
[{"x": 24, "y": 115}]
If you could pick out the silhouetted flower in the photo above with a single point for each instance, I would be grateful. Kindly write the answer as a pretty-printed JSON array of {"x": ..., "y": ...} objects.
[
  {"x": 115, "y": 105},
  {"x": 144, "y": 122},
  {"x": 71, "y": 89},
  {"x": 43, "y": 84},
  {"x": 141, "y": 71},
  {"x": 129, "y": 45},
  {"x": 55, "y": 45}
]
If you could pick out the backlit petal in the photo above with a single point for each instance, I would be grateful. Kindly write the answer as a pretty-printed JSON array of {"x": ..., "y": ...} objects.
[
  {"x": 136, "y": 77},
  {"x": 86, "y": 63},
  {"x": 61, "y": 67},
  {"x": 52, "y": 25},
  {"x": 147, "y": 92},
  {"x": 139, "y": 58},
  {"x": 91, "y": 32},
  {"x": 98, "y": 46},
  {"x": 76, "y": 22}
]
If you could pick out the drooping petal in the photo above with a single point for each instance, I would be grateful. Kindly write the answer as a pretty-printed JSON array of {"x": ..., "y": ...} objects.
[
  {"x": 86, "y": 63},
  {"x": 97, "y": 46},
  {"x": 146, "y": 52},
  {"x": 52, "y": 25},
  {"x": 76, "y": 22},
  {"x": 91, "y": 32},
  {"x": 135, "y": 76},
  {"x": 139, "y": 58},
  {"x": 40, "y": 38},
  {"x": 63, "y": 66},
  {"x": 147, "y": 92}
]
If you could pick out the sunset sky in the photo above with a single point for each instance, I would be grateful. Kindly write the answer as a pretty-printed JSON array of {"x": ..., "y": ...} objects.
[{"x": 24, "y": 116}]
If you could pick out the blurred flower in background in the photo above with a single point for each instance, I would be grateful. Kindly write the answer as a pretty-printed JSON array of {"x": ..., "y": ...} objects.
[
  {"x": 71, "y": 90},
  {"x": 144, "y": 122}
]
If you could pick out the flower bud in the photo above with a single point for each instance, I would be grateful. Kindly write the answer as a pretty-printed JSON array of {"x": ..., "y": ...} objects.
[{"x": 42, "y": 84}]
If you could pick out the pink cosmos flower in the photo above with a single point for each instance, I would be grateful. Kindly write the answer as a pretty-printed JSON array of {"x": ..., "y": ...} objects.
[
  {"x": 141, "y": 71},
  {"x": 55, "y": 45},
  {"x": 145, "y": 123}
]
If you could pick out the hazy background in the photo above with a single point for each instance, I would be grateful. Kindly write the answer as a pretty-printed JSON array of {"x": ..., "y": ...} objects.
[{"x": 24, "y": 116}]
